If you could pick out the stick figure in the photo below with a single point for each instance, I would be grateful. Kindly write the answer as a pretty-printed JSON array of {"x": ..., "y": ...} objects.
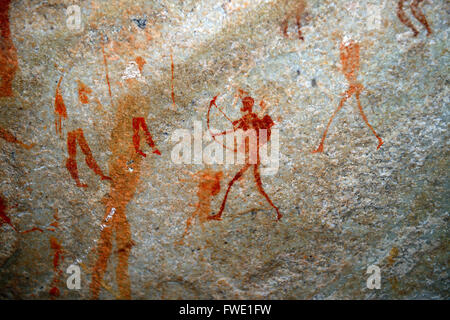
[
  {"x": 249, "y": 121},
  {"x": 350, "y": 66},
  {"x": 417, "y": 13}
]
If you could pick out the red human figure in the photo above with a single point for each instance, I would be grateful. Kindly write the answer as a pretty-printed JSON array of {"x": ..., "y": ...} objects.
[
  {"x": 249, "y": 121},
  {"x": 297, "y": 12},
  {"x": 137, "y": 124},
  {"x": 208, "y": 187},
  {"x": 9, "y": 137},
  {"x": 8, "y": 52},
  {"x": 71, "y": 164},
  {"x": 60, "y": 108},
  {"x": 350, "y": 67},
  {"x": 417, "y": 13}
]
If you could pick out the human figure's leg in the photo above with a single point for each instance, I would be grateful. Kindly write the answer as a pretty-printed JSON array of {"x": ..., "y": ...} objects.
[
  {"x": 103, "y": 253},
  {"x": 404, "y": 18},
  {"x": 284, "y": 27},
  {"x": 90, "y": 161},
  {"x": 347, "y": 95},
  {"x": 124, "y": 245},
  {"x": 137, "y": 124},
  {"x": 380, "y": 141},
  {"x": 149, "y": 138},
  {"x": 417, "y": 12},
  {"x": 299, "y": 26},
  {"x": 261, "y": 189},
  {"x": 71, "y": 162},
  {"x": 9, "y": 137},
  {"x": 230, "y": 184}
]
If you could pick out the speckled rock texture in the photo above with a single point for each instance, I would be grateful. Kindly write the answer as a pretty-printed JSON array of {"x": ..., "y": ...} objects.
[{"x": 89, "y": 100}]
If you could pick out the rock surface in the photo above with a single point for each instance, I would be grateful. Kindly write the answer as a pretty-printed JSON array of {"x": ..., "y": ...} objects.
[{"x": 345, "y": 209}]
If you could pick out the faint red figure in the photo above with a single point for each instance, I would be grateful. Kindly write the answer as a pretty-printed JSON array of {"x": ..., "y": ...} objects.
[
  {"x": 83, "y": 92},
  {"x": 9, "y": 137},
  {"x": 350, "y": 67},
  {"x": 417, "y": 13},
  {"x": 60, "y": 108},
  {"x": 3, "y": 216},
  {"x": 57, "y": 257},
  {"x": 8, "y": 52},
  {"x": 249, "y": 121},
  {"x": 208, "y": 187},
  {"x": 71, "y": 164},
  {"x": 137, "y": 124},
  {"x": 172, "y": 84},
  {"x": 5, "y": 219},
  {"x": 297, "y": 12}
]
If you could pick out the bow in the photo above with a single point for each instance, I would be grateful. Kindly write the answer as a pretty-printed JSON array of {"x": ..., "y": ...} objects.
[{"x": 213, "y": 103}]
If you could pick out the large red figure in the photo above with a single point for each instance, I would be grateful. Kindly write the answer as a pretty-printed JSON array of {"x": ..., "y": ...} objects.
[{"x": 249, "y": 121}]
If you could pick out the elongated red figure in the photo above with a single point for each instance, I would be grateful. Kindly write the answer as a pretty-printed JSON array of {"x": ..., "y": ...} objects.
[{"x": 350, "y": 67}]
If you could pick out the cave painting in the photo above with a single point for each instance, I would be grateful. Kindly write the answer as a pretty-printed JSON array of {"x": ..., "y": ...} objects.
[
  {"x": 295, "y": 12},
  {"x": 138, "y": 123},
  {"x": 60, "y": 109},
  {"x": 208, "y": 187},
  {"x": 83, "y": 92},
  {"x": 55, "y": 245},
  {"x": 74, "y": 137},
  {"x": 349, "y": 52},
  {"x": 125, "y": 170},
  {"x": 9, "y": 137},
  {"x": 417, "y": 13},
  {"x": 8, "y": 52},
  {"x": 248, "y": 121},
  {"x": 4, "y": 219}
]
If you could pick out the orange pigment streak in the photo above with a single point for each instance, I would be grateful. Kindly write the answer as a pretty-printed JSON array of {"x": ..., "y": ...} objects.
[
  {"x": 9, "y": 137},
  {"x": 173, "y": 90},
  {"x": 123, "y": 186},
  {"x": 106, "y": 72},
  {"x": 60, "y": 109},
  {"x": 350, "y": 66},
  {"x": 140, "y": 62}
]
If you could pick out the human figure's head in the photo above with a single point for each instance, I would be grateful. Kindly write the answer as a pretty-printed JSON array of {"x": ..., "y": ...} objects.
[{"x": 248, "y": 103}]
